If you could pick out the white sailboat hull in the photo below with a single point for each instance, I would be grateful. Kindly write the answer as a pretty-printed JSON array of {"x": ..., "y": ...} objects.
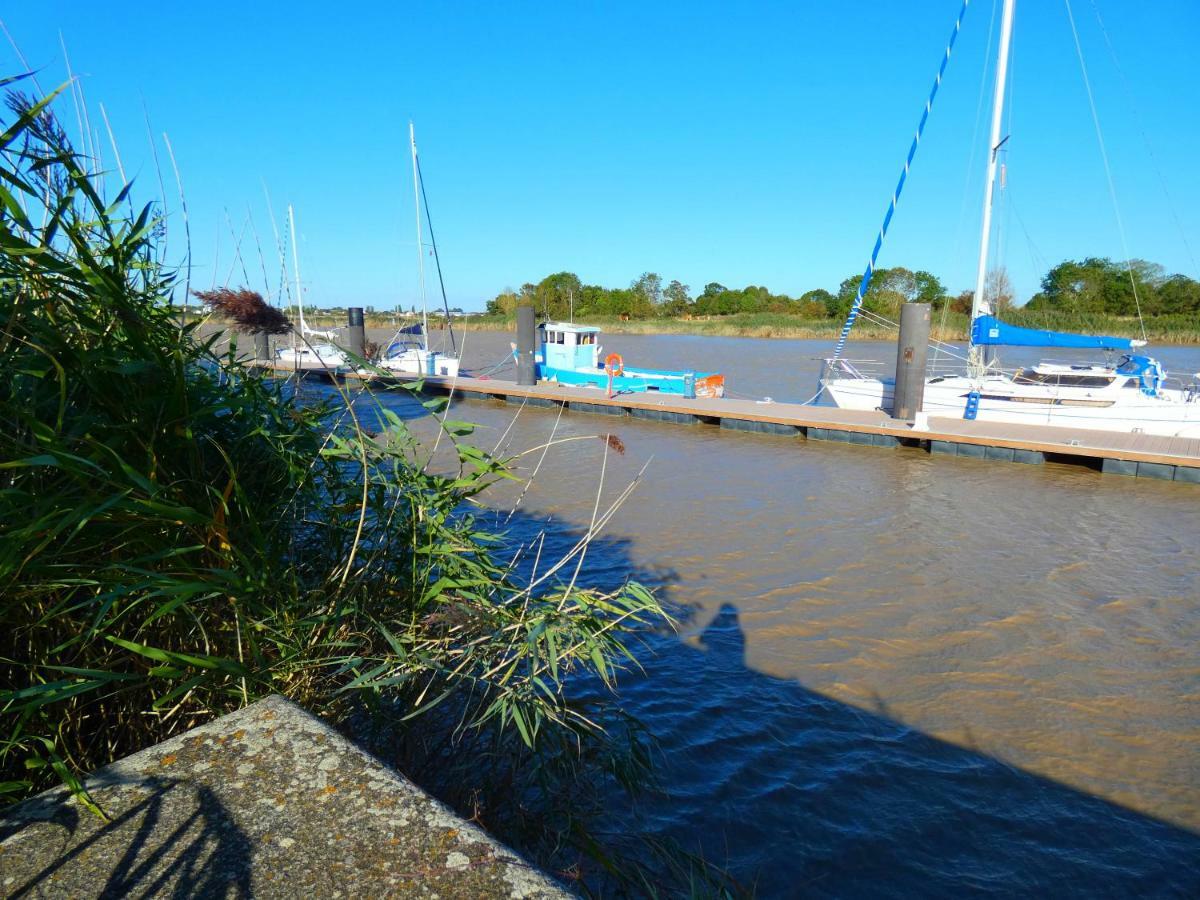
[
  {"x": 1175, "y": 413},
  {"x": 415, "y": 361},
  {"x": 319, "y": 356}
]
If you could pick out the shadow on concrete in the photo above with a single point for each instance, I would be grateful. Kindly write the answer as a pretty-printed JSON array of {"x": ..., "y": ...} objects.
[
  {"x": 804, "y": 795},
  {"x": 163, "y": 845}
]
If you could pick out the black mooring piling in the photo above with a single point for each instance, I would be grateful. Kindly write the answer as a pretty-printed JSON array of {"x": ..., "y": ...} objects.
[
  {"x": 357, "y": 336},
  {"x": 912, "y": 350},
  {"x": 526, "y": 338}
]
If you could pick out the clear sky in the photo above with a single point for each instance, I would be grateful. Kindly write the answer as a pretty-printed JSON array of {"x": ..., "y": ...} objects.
[{"x": 749, "y": 143}]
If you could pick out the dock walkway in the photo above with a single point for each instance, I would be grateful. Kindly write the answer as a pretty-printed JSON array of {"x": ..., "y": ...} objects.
[{"x": 1141, "y": 455}]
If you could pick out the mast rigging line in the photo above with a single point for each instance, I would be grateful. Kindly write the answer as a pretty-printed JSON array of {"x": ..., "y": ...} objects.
[
  {"x": 1112, "y": 188},
  {"x": 436, "y": 259},
  {"x": 1137, "y": 117},
  {"x": 887, "y": 219}
]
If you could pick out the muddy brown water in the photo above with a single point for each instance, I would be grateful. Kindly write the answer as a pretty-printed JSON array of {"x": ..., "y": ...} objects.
[{"x": 896, "y": 673}]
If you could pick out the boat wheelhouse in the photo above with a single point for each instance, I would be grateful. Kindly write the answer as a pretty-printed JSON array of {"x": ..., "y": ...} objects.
[{"x": 570, "y": 354}]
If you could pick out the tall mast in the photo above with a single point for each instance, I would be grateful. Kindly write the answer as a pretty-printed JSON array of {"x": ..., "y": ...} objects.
[
  {"x": 979, "y": 303},
  {"x": 296, "y": 269},
  {"x": 412, "y": 139}
]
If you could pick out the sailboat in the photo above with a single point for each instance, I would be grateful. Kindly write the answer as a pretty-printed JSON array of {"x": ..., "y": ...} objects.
[
  {"x": 408, "y": 352},
  {"x": 303, "y": 353},
  {"x": 1128, "y": 392}
]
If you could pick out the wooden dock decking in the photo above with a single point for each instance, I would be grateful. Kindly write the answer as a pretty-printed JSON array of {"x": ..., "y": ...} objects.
[{"x": 1142, "y": 455}]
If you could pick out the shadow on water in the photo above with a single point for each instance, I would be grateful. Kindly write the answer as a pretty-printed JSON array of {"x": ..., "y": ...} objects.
[
  {"x": 176, "y": 840},
  {"x": 801, "y": 794}
]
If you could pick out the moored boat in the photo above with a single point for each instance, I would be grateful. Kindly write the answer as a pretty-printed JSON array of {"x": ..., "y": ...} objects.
[
  {"x": 1130, "y": 394},
  {"x": 570, "y": 354}
]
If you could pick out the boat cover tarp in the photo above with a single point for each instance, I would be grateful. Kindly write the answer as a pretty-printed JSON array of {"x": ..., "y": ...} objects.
[{"x": 990, "y": 331}]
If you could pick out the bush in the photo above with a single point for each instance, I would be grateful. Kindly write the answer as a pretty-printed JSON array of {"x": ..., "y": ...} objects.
[{"x": 179, "y": 537}]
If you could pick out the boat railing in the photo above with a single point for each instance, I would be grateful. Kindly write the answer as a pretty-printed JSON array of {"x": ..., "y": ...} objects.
[
  {"x": 875, "y": 369},
  {"x": 856, "y": 369}
]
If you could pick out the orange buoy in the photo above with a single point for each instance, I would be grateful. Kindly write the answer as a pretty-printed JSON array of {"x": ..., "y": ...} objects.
[{"x": 614, "y": 365}]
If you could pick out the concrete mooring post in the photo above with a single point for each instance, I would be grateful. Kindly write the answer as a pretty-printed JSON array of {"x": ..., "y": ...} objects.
[
  {"x": 912, "y": 351},
  {"x": 526, "y": 339},
  {"x": 262, "y": 346},
  {"x": 357, "y": 333}
]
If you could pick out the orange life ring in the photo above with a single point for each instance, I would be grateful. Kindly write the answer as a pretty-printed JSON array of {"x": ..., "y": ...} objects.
[{"x": 614, "y": 365}]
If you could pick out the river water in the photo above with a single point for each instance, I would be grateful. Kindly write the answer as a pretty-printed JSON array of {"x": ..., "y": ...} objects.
[{"x": 896, "y": 673}]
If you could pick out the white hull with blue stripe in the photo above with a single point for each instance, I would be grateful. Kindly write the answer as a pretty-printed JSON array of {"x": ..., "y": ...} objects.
[
  {"x": 1128, "y": 397},
  {"x": 1134, "y": 395}
]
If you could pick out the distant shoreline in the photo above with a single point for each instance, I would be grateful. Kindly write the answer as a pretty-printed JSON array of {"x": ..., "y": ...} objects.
[{"x": 1162, "y": 330}]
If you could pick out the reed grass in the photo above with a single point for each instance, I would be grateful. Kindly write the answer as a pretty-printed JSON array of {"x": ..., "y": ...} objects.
[{"x": 179, "y": 537}]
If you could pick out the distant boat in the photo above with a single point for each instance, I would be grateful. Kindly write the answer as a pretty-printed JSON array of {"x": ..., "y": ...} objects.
[
  {"x": 570, "y": 354},
  {"x": 305, "y": 354},
  {"x": 408, "y": 351},
  {"x": 1130, "y": 394}
]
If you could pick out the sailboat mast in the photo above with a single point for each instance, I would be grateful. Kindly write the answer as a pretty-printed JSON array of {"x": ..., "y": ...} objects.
[
  {"x": 296, "y": 269},
  {"x": 979, "y": 303},
  {"x": 412, "y": 139}
]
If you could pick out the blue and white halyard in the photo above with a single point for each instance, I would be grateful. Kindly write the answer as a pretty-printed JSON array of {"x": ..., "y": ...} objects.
[
  {"x": 1132, "y": 393},
  {"x": 891, "y": 210}
]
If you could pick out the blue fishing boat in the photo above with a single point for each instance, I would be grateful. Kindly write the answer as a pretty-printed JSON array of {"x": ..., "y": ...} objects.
[{"x": 570, "y": 354}]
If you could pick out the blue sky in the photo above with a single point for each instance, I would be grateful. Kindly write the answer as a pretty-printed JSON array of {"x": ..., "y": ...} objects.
[{"x": 753, "y": 143}]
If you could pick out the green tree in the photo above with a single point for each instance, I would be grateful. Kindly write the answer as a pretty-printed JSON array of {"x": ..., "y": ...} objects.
[
  {"x": 1179, "y": 294},
  {"x": 817, "y": 303},
  {"x": 676, "y": 299},
  {"x": 650, "y": 287},
  {"x": 554, "y": 294}
]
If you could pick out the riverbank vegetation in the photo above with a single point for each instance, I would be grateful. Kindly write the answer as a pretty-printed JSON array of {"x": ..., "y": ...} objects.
[
  {"x": 179, "y": 537},
  {"x": 1092, "y": 295}
]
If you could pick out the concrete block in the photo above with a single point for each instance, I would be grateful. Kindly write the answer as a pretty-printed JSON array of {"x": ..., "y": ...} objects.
[
  {"x": 817, "y": 434},
  {"x": 1156, "y": 470},
  {"x": 947, "y": 447},
  {"x": 265, "y": 802},
  {"x": 735, "y": 424},
  {"x": 1002, "y": 454},
  {"x": 1189, "y": 474},
  {"x": 1118, "y": 467},
  {"x": 1029, "y": 457},
  {"x": 974, "y": 451},
  {"x": 884, "y": 440}
]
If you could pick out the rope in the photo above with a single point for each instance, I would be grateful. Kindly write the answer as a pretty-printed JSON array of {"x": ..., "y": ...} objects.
[
  {"x": 887, "y": 219},
  {"x": 1112, "y": 189}
]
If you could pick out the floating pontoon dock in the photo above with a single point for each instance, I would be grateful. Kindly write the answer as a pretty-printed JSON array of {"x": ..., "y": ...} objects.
[{"x": 1142, "y": 455}]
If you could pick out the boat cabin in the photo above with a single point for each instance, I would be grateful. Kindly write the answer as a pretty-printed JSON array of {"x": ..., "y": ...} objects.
[
  {"x": 1135, "y": 372},
  {"x": 569, "y": 346}
]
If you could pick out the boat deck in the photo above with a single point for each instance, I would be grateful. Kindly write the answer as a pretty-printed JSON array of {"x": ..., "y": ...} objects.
[{"x": 1143, "y": 455}]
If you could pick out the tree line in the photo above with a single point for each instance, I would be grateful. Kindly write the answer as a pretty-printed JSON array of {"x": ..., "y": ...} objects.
[{"x": 1091, "y": 285}]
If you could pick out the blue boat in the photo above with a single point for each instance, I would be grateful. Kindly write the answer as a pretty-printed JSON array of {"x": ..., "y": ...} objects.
[{"x": 570, "y": 354}]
